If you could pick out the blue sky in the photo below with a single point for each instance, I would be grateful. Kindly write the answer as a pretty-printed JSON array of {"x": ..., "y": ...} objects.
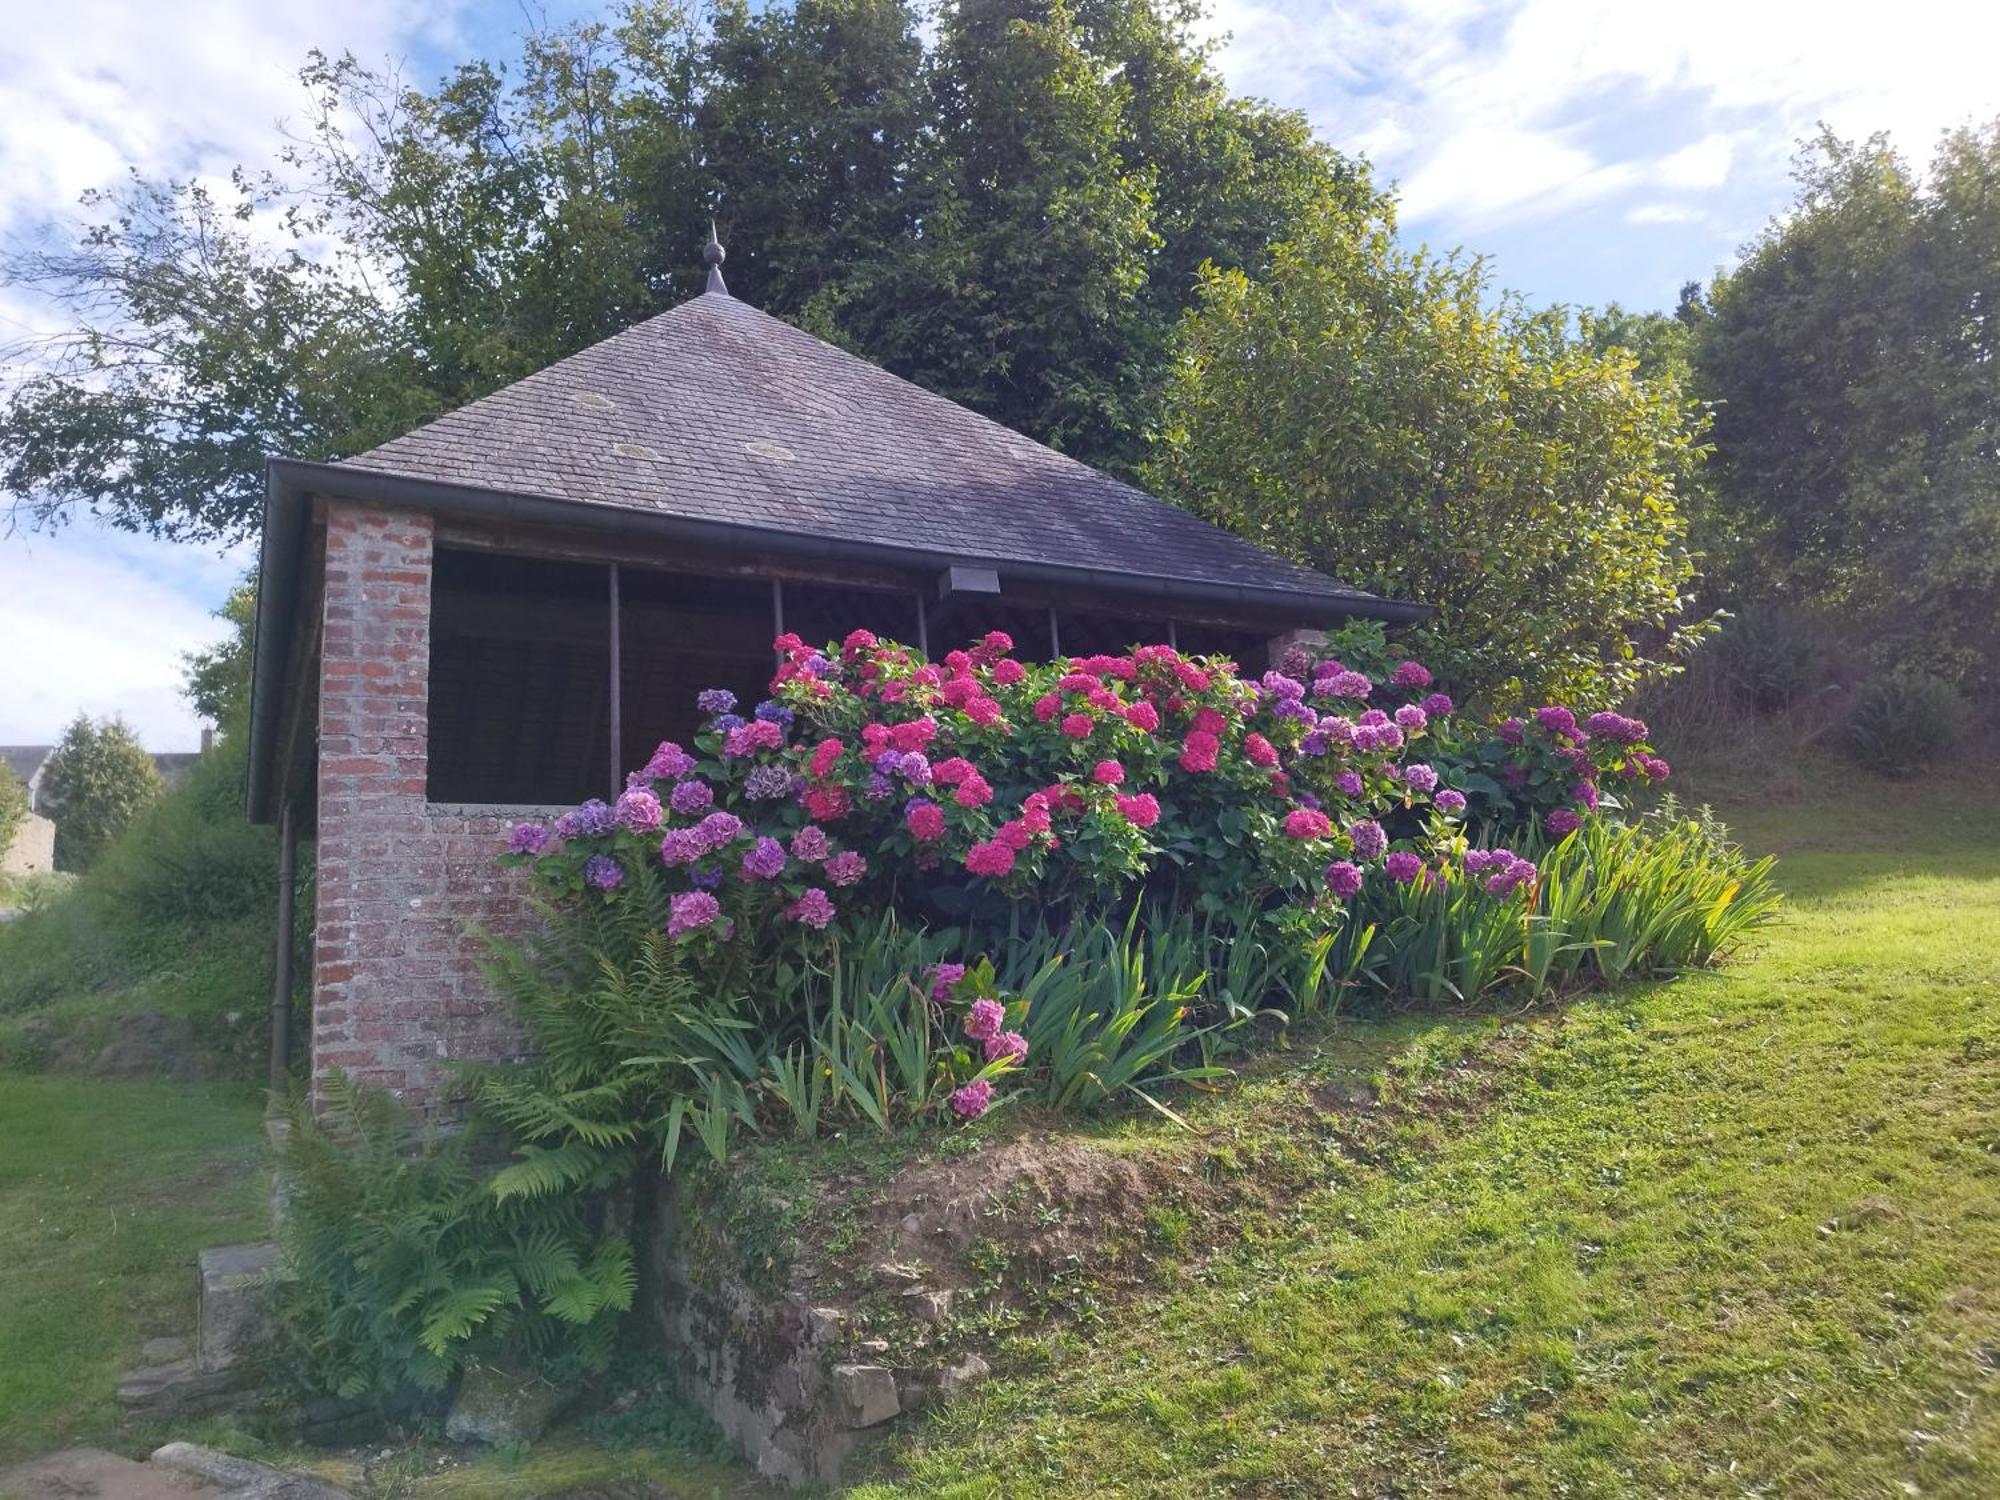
[{"x": 1594, "y": 150}]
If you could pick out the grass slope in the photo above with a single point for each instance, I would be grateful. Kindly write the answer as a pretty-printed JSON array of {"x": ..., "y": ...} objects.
[
  {"x": 1737, "y": 1234},
  {"x": 107, "y": 1190}
]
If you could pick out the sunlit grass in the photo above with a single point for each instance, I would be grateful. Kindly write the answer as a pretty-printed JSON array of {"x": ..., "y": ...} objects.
[{"x": 1734, "y": 1234}]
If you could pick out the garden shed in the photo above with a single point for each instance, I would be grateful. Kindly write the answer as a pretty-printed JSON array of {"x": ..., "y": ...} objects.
[{"x": 506, "y": 609}]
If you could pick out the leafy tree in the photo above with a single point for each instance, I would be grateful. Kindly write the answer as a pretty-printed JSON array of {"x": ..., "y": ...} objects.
[
  {"x": 1387, "y": 417},
  {"x": 1011, "y": 214},
  {"x": 1854, "y": 358},
  {"x": 96, "y": 779},
  {"x": 13, "y": 806},
  {"x": 218, "y": 677}
]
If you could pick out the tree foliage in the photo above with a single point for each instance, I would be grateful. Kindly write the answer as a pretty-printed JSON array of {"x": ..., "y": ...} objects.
[
  {"x": 218, "y": 677},
  {"x": 96, "y": 779},
  {"x": 1010, "y": 213},
  {"x": 1386, "y": 417},
  {"x": 1854, "y": 359},
  {"x": 13, "y": 806}
]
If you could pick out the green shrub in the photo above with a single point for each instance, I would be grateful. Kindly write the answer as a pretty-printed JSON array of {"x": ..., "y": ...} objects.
[
  {"x": 175, "y": 915},
  {"x": 96, "y": 780},
  {"x": 1900, "y": 722},
  {"x": 404, "y": 1265},
  {"x": 1768, "y": 659},
  {"x": 13, "y": 806}
]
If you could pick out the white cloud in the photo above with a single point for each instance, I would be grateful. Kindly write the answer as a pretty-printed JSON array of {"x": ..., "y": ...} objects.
[
  {"x": 97, "y": 622},
  {"x": 187, "y": 89},
  {"x": 1664, "y": 213},
  {"x": 1705, "y": 164},
  {"x": 1486, "y": 109}
]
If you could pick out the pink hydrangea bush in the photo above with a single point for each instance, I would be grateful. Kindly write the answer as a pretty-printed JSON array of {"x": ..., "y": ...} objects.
[{"x": 873, "y": 779}]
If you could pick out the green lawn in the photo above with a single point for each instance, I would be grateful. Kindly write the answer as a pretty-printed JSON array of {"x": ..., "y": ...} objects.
[
  {"x": 107, "y": 1190},
  {"x": 1734, "y": 1235}
]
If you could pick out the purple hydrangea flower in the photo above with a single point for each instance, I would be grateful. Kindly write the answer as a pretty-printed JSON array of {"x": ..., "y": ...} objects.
[
  {"x": 682, "y": 846},
  {"x": 944, "y": 979},
  {"x": 1338, "y": 730},
  {"x": 1411, "y": 674},
  {"x": 1293, "y": 708},
  {"x": 1403, "y": 866},
  {"x": 1284, "y": 689},
  {"x": 1411, "y": 717},
  {"x": 1510, "y": 730},
  {"x": 1420, "y": 777},
  {"x": 1343, "y": 878},
  {"x": 595, "y": 818},
  {"x": 1372, "y": 717},
  {"x": 1617, "y": 727},
  {"x": 767, "y": 782},
  {"x": 690, "y": 911},
  {"x": 638, "y": 810},
  {"x": 1562, "y": 822},
  {"x": 765, "y": 860},
  {"x": 728, "y": 723},
  {"x": 1438, "y": 704},
  {"x": 527, "y": 838},
  {"x": 715, "y": 700},
  {"x": 669, "y": 763},
  {"x": 1348, "y": 784},
  {"x": 1450, "y": 801},
  {"x": 1349, "y": 685},
  {"x": 846, "y": 867},
  {"x": 774, "y": 712},
  {"x": 811, "y": 845},
  {"x": 1368, "y": 838},
  {"x": 691, "y": 797},
  {"x": 719, "y": 828},
  {"x": 1314, "y": 744},
  {"x": 879, "y": 788},
  {"x": 708, "y": 878},
  {"x": 1557, "y": 720},
  {"x": 603, "y": 873},
  {"x": 972, "y": 1100}
]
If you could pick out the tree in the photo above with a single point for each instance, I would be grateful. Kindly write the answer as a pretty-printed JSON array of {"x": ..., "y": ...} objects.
[
  {"x": 1388, "y": 418},
  {"x": 218, "y": 677},
  {"x": 1011, "y": 215},
  {"x": 1854, "y": 358},
  {"x": 13, "y": 806},
  {"x": 95, "y": 779}
]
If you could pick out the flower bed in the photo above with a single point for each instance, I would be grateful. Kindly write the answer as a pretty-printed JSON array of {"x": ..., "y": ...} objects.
[{"x": 984, "y": 798}]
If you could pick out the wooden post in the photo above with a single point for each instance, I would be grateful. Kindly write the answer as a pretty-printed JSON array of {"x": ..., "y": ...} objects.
[
  {"x": 281, "y": 981},
  {"x": 617, "y": 692}
]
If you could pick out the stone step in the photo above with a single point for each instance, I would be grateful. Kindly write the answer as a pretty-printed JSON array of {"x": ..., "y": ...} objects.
[{"x": 93, "y": 1474}]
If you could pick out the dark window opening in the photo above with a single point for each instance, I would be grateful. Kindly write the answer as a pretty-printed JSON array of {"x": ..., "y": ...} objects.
[
  {"x": 821, "y": 612},
  {"x": 684, "y": 633},
  {"x": 1084, "y": 633},
  {"x": 957, "y": 622},
  {"x": 1247, "y": 648},
  {"x": 519, "y": 679}
]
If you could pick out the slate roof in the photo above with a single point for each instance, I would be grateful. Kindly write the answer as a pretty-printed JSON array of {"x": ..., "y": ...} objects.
[
  {"x": 25, "y": 760},
  {"x": 717, "y": 412}
]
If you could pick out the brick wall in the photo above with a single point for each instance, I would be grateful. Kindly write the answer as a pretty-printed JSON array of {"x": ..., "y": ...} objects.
[{"x": 396, "y": 989}]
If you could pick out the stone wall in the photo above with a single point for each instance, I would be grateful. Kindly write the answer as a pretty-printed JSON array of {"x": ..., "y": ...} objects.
[
  {"x": 401, "y": 881},
  {"x": 33, "y": 851}
]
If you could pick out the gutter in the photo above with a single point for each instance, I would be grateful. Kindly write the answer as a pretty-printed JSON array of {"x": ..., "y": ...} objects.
[{"x": 289, "y": 483}]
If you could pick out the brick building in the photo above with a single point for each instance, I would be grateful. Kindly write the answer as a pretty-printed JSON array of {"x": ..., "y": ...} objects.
[{"x": 503, "y": 611}]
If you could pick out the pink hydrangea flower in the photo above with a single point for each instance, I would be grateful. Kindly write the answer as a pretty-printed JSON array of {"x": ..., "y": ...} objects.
[
  {"x": 1307, "y": 823},
  {"x": 1010, "y": 1045},
  {"x": 1108, "y": 773},
  {"x": 1078, "y": 726},
  {"x": 973, "y": 1100},
  {"x": 1343, "y": 878},
  {"x": 846, "y": 867},
  {"x": 669, "y": 762},
  {"x": 925, "y": 820},
  {"x": 991, "y": 858},
  {"x": 1199, "y": 751},
  {"x": 814, "y": 909},
  {"x": 690, "y": 911},
  {"x": 1142, "y": 811},
  {"x": 811, "y": 845},
  {"x": 1411, "y": 674},
  {"x": 638, "y": 810},
  {"x": 944, "y": 979},
  {"x": 985, "y": 1019}
]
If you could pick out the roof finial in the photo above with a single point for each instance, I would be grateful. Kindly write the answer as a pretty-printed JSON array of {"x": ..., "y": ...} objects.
[{"x": 712, "y": 255}]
